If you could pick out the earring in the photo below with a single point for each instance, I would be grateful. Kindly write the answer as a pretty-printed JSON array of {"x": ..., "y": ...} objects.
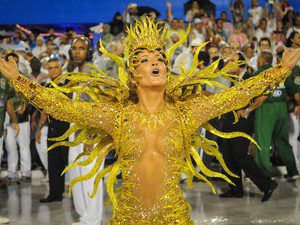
[{"x": 136, "y": 85}]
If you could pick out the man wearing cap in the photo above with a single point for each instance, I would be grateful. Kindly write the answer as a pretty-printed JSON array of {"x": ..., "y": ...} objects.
[
  {"x": 107, "y": 36},
  {"x": 186, "y": 57},
  {"x": 198, "y": 31},
  {"x": 175, "y": 28},
  {"x": 23, "y": 65},
  {"x": 130, "y": 13},
  {"x": 40, "y": 46}
]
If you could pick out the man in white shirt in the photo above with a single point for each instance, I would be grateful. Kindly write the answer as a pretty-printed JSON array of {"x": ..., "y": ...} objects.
[
  {"x": 264, "y": 46},
  {"x": 40, "y": 46},
  {"x": 89, "y": 209},
  {"x": 8, "y": 44},
  {"x": 262, "y": 30},
  {"x": 198, "y": 32},
  {"x": 294, "y": 28},
  {"x": 186, "y": 57},
  {"x": 23, "y": 65}
]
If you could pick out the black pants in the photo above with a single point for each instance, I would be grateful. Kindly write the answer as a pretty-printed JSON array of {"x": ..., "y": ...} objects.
[
  {"x": 235, "y": 154},
  {"x": 57, "y": 161}
]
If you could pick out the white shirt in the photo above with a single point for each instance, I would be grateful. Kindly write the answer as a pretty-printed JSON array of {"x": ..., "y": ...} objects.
[
  {"x": 271, "y": 25},
  {"x": 24, "y": 66},
  {"x": 37, "y": 50},
  {"x": 256, "y": 14},
  {"x": 199, "y": 35},
  {"x": 7, "y": 46},
  {"x": 290, "y": 31},
  {"x": 259, "y": 34},
  {"x": 253, "y": 62},
  {"x": 64, "y": 49}
]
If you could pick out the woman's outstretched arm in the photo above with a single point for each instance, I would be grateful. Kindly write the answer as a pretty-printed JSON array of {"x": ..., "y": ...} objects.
[
  {"x": 206, "y": 108},
  {"x": 98, "y": 115}
]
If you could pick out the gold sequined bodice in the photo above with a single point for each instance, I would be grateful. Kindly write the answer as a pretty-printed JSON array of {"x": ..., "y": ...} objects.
[{"x": 151, "y": 155}]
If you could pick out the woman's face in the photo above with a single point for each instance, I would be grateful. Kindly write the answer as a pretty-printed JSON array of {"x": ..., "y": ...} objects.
[
  {"x": 195, "y": 5},
  {"x": 237, "y": 29},
  {"x": 249, "y": 52},
  {"x": 296, "y": 41},
  {"x": 254, "y": 3},
  {"x": 152, "y": 69},
  {"x": 279, "y": 25}
]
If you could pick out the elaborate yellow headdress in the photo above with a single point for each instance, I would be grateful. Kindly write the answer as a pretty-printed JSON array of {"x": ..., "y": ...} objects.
[{"x": 145, "y": 34}]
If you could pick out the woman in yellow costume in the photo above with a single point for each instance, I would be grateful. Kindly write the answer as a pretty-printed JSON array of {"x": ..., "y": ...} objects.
[{"x": 148, "y": 119}]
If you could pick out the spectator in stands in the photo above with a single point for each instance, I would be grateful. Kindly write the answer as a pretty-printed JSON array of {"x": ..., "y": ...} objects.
[
  {"x": 198, "y": 31},
  {"x": 279, "y": 26},
  {"x": 235, "y": 47},
  {"x": 296, "y": 27},
  {"x": 117, "y": 27},
  {"x": 23, "y": 63},
  {"x": 108, "y": 65},
  {"x": 174, "y": 28},
  {"x": 64, "y": 45},
  {"x": 249, "y": 28},
  {"x": 264, "y": 45},
  {"x": 213, "y": 52},
  {"x": 255, "y": 12},
  {"x": 193, "y": 12},
  {"x": 237, "y": 9},
  {"x": 249, "y": 52},
  {"x": 175, "y": 38},
  {"x": 130, "y": 14},
  {"x": 40, "y": 46},
  {"x": 36, "y": 74},
  {"x": 51, "y": 34},
  {"x": 262, "y": 31},
  {"x": 181, "y": 24},
  {"x": 107, "y": 36},
  {"x": 277, "y": 38},
  {"x": 186, "y": 57},
  {"x": 238, "y": 36},
  {"x": 220, "y": 30},
  {"x": 288, "y": 19},
  {"x": 271, "y": 21},
  {"x": 8, "y": 43},
  {"x": 228, "y": 26}
]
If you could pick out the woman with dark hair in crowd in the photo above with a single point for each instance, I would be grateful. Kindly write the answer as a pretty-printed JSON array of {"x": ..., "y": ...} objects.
[{"x": 237, "y": 9}]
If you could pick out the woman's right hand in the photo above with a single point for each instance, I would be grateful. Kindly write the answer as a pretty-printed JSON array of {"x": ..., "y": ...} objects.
[
  {"x": 290, "y": 57},
  {"x": 9, "y": 68}
]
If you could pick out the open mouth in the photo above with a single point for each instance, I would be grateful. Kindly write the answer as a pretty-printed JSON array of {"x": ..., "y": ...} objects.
[{"x": 155, "y": 71}]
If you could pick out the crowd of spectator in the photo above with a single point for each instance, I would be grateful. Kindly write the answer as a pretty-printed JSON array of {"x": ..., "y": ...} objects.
[{"x": 263, "y": 28}]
